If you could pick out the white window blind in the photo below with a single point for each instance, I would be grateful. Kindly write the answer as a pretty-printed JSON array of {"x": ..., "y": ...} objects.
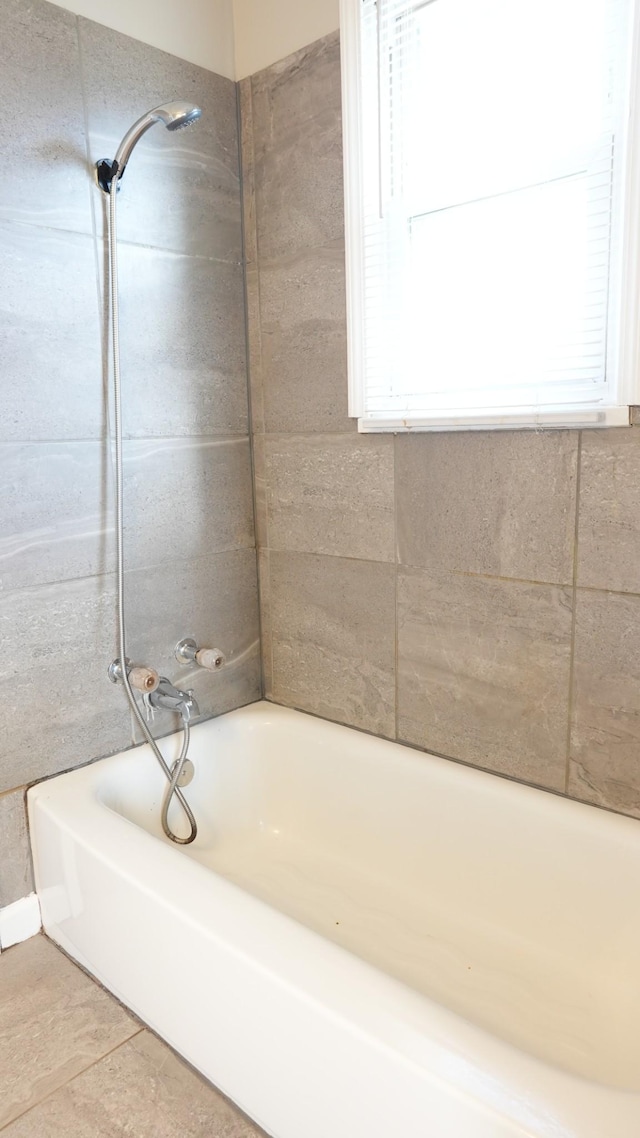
[{"x": 490, "y": 175}]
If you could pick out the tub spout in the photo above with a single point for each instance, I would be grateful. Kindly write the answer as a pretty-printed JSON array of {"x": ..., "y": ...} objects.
[{"x": 170, "y": 698}]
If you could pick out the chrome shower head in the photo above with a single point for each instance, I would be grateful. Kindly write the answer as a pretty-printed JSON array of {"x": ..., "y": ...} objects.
[{"x": 175, "y": 116}]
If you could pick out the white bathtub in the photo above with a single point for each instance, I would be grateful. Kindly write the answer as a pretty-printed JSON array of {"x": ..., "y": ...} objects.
[{"x": 365, "y": 941}]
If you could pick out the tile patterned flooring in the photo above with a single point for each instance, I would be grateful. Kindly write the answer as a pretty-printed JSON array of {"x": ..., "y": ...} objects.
[{"x": 73, "y": 1062}]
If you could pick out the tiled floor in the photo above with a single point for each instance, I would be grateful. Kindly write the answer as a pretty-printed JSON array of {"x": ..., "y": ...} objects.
[{"x": 73, "y": 1063}]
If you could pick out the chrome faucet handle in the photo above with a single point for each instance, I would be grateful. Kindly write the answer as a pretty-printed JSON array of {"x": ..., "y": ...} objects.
[
  {"x": 140, "y": 677},
  {"x": 187, "y": 652}
]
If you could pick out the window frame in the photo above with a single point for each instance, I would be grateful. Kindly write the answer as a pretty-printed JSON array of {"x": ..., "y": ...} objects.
[{"x": 626, "y": 358}]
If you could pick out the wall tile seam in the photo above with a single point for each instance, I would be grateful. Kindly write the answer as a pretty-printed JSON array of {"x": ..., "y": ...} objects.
[
  {"x": 198, "y": 559},
  {"x": 264, "y": 563},
  {"x": 57, "y": 581},
  {"x": 445, "y": 569},
  {"x": 247, "y": 172},
  {"x": 234, "y": 261},
  {"x": 603, "y": 591},
  {"x": 212, "y": 437},
  {"x": 352, "y": 436},
  {"x": 240, "y": 131},
  {"x": 312, "y": 434},
  {"x": 441, "y": 570},
  {"x": 225, "y": 438},
  {"x": 574, "y": 607},
  {"x": 330, "y": 556},
  {"x": 90, "y": 234},
  {"x": 147, "y": 567},
  {"x": 282, "y": 549},
  {"x": 7, "y": 221},
  {"x": 105, "y": 439}
]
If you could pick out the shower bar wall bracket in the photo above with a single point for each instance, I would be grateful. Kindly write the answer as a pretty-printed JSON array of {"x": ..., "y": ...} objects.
[{"x": 106, "y": 170}]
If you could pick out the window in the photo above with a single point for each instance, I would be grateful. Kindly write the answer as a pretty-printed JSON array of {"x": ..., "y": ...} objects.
[{"x": 491, "y": 202}]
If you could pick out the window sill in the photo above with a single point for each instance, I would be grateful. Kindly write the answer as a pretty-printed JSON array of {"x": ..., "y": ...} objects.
[{"x": 546, "y": 420}]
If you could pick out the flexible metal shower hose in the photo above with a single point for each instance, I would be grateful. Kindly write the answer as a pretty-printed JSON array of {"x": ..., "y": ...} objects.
[{"x": 172, "y": 774}]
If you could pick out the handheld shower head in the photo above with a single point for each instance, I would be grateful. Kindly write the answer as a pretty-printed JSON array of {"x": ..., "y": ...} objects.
[{"x": 175, "y": 116}]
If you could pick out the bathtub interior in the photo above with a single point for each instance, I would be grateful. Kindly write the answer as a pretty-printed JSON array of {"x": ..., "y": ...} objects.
[{"x": 399, "y": 858}]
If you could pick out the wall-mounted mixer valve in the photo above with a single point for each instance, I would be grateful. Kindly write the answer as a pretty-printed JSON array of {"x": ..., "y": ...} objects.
[
  {"x": 140, "y": 677},
  {"x": 187, "y": 652}
]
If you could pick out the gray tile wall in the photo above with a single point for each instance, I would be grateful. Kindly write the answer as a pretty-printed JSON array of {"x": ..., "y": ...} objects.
[
  {"x": 70, "y": 88},
  {"x": 475, "y": 594}
]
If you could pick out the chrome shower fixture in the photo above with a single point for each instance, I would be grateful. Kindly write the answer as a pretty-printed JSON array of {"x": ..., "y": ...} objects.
[
  {"x": 140, "y": 677},
  {"x": 175, "y": 116},
  {"x": 158, "y": 691},
  {"x": 187, "y": 652}
]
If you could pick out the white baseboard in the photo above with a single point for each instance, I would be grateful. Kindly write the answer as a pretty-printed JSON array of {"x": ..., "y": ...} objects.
[{"x": 20, "y": 921}]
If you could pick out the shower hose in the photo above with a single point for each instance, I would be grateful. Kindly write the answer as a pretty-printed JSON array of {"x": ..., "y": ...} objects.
[{"x": 172, "y": 773}]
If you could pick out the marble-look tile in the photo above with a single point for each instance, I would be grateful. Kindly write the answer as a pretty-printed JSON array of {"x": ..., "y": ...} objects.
[
  {"x": 182, "y": 334},
  {"x": 181, "y": 189},
  {"x": 289, "y": 94},
  {"x": 609, "y": 518},
  {"x": 331, "y": 494},
  {"x": 483, "y": 672},
  {"x": 214, "y": 600},
  {"x": 254, "y": 348},
  {"x": 45, "y": 173},
  {"x": 299, "y": 190},
  {"x": 248, "y": 171},
  {"x": 497, "y": 502},
  {"x": 605, "y": 745},
  {"x": 16, "y": 877},
  {"x": 333, "y": 626},
  {"x": 304, "y": 342},
  {"x": 140, "y": 1089},
  {"x": 186, "y": 498},
  {"x": 297, "y": 129},
  {"x": 59, "y": 709},
  {"x": 54, "y": 1022},
  {"x": 51, "y": 337},
  {"x": 56, "y": 512}
]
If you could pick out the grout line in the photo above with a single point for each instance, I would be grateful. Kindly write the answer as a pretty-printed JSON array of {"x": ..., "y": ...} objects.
[
  {"x": 82, "y": 1071},
  {"x": 316, "y": 553},
  {"x": 248, "y": 378},
  {"x": 91, "y": 233},
  {"x": 100, "y": 440},
  {"x": 255, "y": 382},
  {"x": 574, "y": 606},
  {"x": 201, "y": 558}
]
